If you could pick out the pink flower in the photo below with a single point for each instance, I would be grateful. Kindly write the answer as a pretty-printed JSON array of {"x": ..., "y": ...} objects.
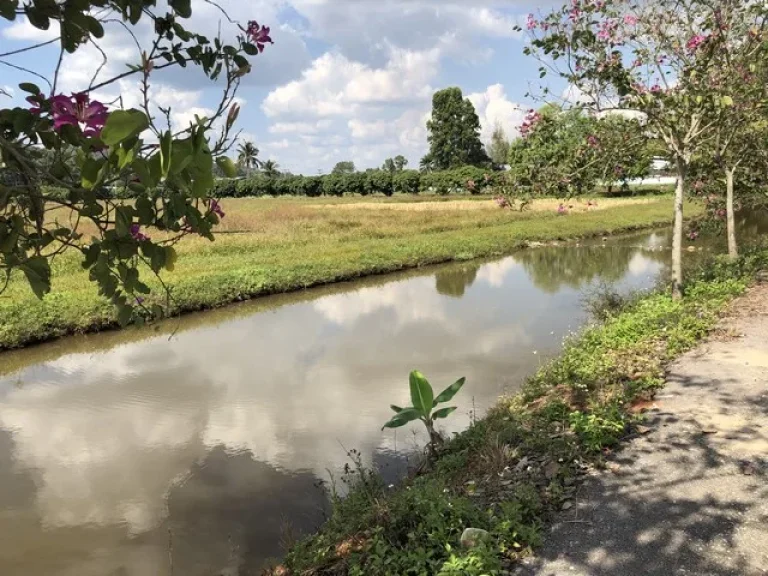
[
  {"x": 631, "y": 20},
  {"x": 136, "y": 233},
  {"x": 501, "y": 202},
  {"x": 216, "y": 208},
  {"x": 531, "y": 23},
  {"x": 593, "y": 141},
  {"x": 655, "y": 89},
  {"x": 607, "y": 29},
  {"x": 259, "y": 35},
  {"x": 696, "y": 41},
  {"x": 562, "y": 210},
  {"x": 77, "y": 110},
  {"x": 574, "y": 14},
  {"x": 531, "y": 119}
]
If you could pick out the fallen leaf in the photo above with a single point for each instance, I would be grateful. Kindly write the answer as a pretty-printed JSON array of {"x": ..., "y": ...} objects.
[{"x": 643, "y": 429}]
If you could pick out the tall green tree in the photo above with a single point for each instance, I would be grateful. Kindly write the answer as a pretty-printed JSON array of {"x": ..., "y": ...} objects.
[
  {"x": 271, "y": 169},
  {"x": 498, "y": 148},
  {"x": 454, "y": 133},
  {"x": 248, "y": 157},
  {"x": 344, "y": 167},
  {"x": 396, "y": 164}
]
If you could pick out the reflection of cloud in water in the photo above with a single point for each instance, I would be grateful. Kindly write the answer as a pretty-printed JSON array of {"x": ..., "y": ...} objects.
[
  {"x": 640, "y": 265},
  {"x": 410, "y": 300},
  {"x": 495, "y": 273}
]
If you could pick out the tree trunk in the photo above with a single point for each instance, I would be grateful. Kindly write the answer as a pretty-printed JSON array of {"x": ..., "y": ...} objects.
[
  {"x": 677, "y": 233},
  {"x": 733, "y": 251}
]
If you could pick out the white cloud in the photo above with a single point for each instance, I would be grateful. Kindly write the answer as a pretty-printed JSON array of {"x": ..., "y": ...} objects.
[
  {"x": 336, "y": 86},
  {"x": 23, "y": 30},
  {"x": 493, "y": 106}
]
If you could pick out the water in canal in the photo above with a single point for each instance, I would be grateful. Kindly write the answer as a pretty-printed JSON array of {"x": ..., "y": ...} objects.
[{"x": 196, "y": 447}]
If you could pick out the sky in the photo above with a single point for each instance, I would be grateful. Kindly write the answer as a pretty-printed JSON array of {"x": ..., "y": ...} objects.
[{"x": 344, "y": 80}]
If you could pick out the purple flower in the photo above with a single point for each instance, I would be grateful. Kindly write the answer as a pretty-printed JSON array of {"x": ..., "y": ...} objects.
[
  {"x": 136, "y": 233},
  {"x": 216, "y": 208},
  {"x": 139, "y": 300},
  {"x": 562, "y": 209},
  {"x": 655, "y": 89},
  {"x": 77, "y": 110},
  {"x": 259, "y": 35},
  {"x": 692, "y": 235},
  {"x": 531, "y": 23}
]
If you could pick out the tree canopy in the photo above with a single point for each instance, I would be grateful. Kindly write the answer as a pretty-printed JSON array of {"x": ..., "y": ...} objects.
[
  {"x": 344, "y": 167},
  {"x": 454, "y": 133}
]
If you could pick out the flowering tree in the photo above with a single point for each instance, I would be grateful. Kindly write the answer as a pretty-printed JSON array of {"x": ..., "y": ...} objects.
[
  {"x": 97, "y": 148},
  {"x": 654, "y": 57},
  {"x": 740, "y": 130}
]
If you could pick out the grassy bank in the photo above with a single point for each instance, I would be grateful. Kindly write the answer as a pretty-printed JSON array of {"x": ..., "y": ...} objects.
[
  {"x": 512, "y": 470},
  {"x": 275, "y": 245}
]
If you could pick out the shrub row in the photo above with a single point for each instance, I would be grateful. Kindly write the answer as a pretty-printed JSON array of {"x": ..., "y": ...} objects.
[{"x": 463, "y": 180}]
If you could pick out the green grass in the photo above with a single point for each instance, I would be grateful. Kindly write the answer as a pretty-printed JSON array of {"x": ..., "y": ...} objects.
[
  {"x": 276, "y": 245},
  {"x": 511, "y": 471}
]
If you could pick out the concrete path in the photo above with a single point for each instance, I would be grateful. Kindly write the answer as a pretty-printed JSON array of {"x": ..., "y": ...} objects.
[{"x": 690, "y": 496}]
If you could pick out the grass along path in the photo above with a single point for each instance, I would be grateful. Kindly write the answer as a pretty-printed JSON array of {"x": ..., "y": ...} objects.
[
  {"x": 268, "y": 246},
  {"x": 510, "y": 472}
]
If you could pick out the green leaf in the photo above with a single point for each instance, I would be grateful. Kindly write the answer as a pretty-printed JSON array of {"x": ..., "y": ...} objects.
[
  {"x": 447, "y": 394},
  {"x": 227, "y": 166},
  {"x": 726, "y": 101},
  {"x": 182, "y": 7},
  {"x": 443, "y": 413},
  {"x": 396, "y": 409},
  {"x": 403, "y": 418},
  {"x": 29, "y": 87},
  {"x": 124, "y": 315},
  {"x": 90, "y": 172},
  {"x": 122, "y": 124},
  {"x": 421, "y": 393},
  {"x": 123, "y": 220},
  {"x": 170, "y": 258},
  {"x": 38, "y": 273},
  {"x": 166, "y": 144}
]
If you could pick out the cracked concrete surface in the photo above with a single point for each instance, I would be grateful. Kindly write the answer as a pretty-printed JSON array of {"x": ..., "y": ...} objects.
[{"x": 691, "y": 496}]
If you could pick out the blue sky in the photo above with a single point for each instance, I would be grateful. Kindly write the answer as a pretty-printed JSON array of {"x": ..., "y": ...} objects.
[{"x": 345, "y": 79}]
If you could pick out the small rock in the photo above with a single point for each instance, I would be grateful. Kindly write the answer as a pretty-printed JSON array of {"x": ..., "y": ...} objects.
[
  {"x": 567, "y": 505},
  {"x": 471, "y": 537},
  {"x": 522, "y": 464},
  {"x": 643, "y": 429}
]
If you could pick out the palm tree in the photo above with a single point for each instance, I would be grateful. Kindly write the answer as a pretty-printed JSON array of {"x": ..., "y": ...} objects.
[
  {"x": 270, "y": 168},
  {"x": 247, "y": 157}
]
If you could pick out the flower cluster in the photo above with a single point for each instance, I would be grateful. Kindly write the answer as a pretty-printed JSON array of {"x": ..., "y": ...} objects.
[
  {"x": 531, "y": 119},
  {"x": 693, "y": 44},
  {"x": 531, "y": 22},
  {"x": 501, "y": 202},
  {"x": 77, "y": 110},
  {"x": 631, "y": 20},
  {"x": 608, "y": 31},
  {"x": 562, "y": 210},
  {"x": 215, "y": 208},
  {"x": 259, "y": 35},
  {"x": 692, "y": 235},
  {"x": 136, "y": 233}
]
